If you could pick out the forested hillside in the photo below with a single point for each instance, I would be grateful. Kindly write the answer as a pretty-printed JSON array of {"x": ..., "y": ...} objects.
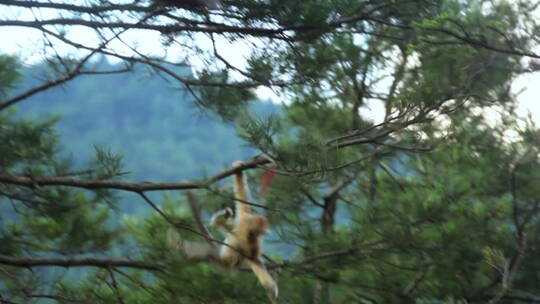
[{"x": 160, "y": 131}]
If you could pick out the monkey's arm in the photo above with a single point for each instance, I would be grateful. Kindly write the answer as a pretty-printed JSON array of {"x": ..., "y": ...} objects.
[
  {"x": 222, "y": 220},
  {"x": 241, "y": 191}
]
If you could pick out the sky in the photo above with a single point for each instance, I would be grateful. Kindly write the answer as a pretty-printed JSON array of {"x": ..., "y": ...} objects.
[{"x": 23, "y": 41}]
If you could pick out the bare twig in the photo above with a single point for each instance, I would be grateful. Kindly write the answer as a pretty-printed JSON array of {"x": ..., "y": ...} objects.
[
  {"x": 114, "y": 286},
  {"x": 69, "y": 76},
  {"x": 196, "y": 211},
  {"x": 138, "y": 283},
  {"x": 2, "y": 300},
  {"x": 311, "y": 198},
  {"x": 481, "y": 44},
  {"x": 95, "y": 9},
  {"x": 366, "y": 156}
]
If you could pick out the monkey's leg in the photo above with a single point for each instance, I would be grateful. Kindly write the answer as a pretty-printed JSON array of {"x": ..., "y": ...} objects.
[
  {"x": 192, "y": 249},
  {"x": 228, "y": 254},
  {"x": 263, "y": 276}
]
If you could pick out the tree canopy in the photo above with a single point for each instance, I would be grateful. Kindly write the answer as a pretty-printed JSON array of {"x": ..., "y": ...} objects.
[{"x": 432, "y": 202}]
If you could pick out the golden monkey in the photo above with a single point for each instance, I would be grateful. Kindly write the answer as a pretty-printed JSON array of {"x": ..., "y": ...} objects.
[{"x": 244, "y": 235}]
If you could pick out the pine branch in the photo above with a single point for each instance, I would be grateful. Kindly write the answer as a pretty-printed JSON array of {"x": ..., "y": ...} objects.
[
  {"x": 42, "y": 181},
  {"x": 76, "y": 262}
]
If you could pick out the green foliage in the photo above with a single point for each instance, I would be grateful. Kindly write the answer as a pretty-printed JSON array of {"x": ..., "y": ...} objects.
[
  {"x": 26, "y": 144},
  {"x": 261, "y": 67},
  {"x": 226, "y": 102},
  {"x": 109, "y": 163},
  {"x": 58, "y": 219},
  {"x": 357, "y": 214},
  {"x": 9, "y": 75}
]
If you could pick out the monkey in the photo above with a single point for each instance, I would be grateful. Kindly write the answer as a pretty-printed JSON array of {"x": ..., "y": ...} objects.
[
  {"x": 244, "y": 235},
  {"x": 243, "y": 232}
]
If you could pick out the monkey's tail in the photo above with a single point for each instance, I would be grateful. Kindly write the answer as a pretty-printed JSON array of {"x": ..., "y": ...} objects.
[{"x": 263, "y": 276}]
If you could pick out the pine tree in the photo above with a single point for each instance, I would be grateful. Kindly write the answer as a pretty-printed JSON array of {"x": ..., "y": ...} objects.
[{"x": 431, "y": 203}]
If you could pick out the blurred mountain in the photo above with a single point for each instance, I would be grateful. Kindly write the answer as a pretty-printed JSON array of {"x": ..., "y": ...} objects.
[{"x": 154, "y": 123}]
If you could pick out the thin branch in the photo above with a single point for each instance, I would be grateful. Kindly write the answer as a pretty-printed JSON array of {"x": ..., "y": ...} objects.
[
  {"x": 42, "y": 181},
  {"x": 482, "y": 44},
  {"x": 510, "y": 270},
  {"x": 138, "y": 283},
  {"x": 365, "y": 157},
  {"x": 520, "y": 299},
  {"x": 337, "y": 188},
  {"x": 96, "y": 9},
  {"x": 53, "y": 297},
  {"x": 167, "y": 218},
  {"x": 15, "y": 280},
  {"x": 512, "y": 265},
  {"x": 114, "y": 287},
  {"x": 196, "y": 211},
  {"x": 356, "y": 133},
  {"x": 162, "y": 28},
  {"x": 185, "y": 226},
  {"x": 152, "y": 63},
  {"x": 387, "y": 171},
  {"x": 328, "y": 255},
  {"x": 2, "y": 300},
  {"x": 404, "y": 148},
  {"x": 418, "y": 278},
  {"x": 376, "y": 138},
  {"x": 76, "y": 262},
  {"x": 69, "y": 76},
  {"x": 311, "y": 198}
]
